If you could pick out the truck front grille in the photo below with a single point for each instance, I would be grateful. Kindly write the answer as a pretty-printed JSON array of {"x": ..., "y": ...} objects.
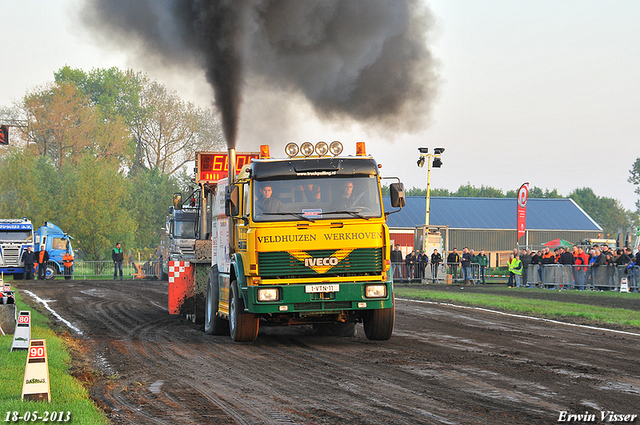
[
  {"x": 363, "y": 261},
  {"x": 10, "y": 256}
]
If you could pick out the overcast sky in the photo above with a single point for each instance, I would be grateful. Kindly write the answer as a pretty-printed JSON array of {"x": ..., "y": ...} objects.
[{"x": 545, "y": 92}]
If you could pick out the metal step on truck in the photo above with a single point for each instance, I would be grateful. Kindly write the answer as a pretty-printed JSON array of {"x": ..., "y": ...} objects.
[{"x": 299, "y": 240}]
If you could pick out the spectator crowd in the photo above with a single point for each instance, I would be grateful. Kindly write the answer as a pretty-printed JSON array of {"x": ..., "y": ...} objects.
[{"x": 599, "y": 267}]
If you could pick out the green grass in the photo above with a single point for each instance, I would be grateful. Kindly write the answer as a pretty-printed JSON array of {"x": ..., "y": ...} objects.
[
  {"x": 543, "y": 308},
  {"x": 67, "y": 394}
]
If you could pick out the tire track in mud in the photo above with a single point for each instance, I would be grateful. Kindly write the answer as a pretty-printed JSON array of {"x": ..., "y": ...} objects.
[{"x": 441, "y": 366}]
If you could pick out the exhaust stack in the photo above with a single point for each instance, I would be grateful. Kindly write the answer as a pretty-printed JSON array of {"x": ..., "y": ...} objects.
[{"x": 232, "y": 179}]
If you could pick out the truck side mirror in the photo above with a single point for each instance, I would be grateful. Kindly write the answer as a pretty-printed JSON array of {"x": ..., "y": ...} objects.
[
  {"x": 231, "y": 202},
  {"x": 396, "y": 191},
  {"x": 177, "y": 201}
]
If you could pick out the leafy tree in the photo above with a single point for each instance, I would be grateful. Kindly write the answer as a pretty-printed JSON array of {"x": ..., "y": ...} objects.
[
  {"x": 170, "y": 131},
  {"x": 608, "y": 212},
  {"x": 62, "y": 125},
  {"x": 635, "y": 180},
  {"x": 468, "y": 191},
  {"x": 152, "y": 195},
  {"x": 29, "y": 186},
  {"x": 97, "y": 207},
  {"x": 115, "y": 92},
  {"x": 165, "y": 130}
]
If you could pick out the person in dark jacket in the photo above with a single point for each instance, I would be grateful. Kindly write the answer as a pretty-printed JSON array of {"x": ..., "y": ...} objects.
[
  {"x": 118, "y": 257},
  {"x": 526, "y": 258},
  {"x": 28, "y": 259},
  {"x": 436, "y": 259},
  {"x": 466, "y": 266},
  {"x": 42, "y": 257},
  {"x": 567, "y": 260},
  {"x": 483, "y": 261},
  {"x": 410, "y": 261},
  {"x": 396, "y": 262},
  {"x": 453, "y": 260}
]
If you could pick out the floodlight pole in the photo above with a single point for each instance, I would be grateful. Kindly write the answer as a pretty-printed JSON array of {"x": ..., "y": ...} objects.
[{"x": 428, "y": 209}]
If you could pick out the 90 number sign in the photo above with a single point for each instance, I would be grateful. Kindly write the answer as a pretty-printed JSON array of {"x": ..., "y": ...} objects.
[{"x": 36, "y": 352}]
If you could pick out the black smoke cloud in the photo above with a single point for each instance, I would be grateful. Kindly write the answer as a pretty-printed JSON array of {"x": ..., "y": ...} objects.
[{"x": 362, "y": 60}]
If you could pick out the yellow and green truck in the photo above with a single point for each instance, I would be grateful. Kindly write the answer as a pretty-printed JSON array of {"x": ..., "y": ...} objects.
[{"x": 301, "y": 240}]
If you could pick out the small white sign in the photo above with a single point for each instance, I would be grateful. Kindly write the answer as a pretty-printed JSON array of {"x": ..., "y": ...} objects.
[{"x": 310, "y": 289}]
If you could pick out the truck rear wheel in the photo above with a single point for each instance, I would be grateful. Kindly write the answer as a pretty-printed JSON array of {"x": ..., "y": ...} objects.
[
  {"x": 243, "y": 327},
  {"x": 378, "y": 324},
  {"x": 213, "y": 325}
]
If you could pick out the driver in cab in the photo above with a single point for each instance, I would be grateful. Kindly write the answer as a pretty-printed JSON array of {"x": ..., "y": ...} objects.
[
  {"x": 345, "y": 200},
  {"x": 267, "y": 203}
]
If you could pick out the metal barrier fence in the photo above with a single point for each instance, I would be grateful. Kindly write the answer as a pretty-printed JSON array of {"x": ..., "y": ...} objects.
[
  {"x": 583, "y": 277},
  {"x": 421, "y": 273},
  {"x": 105, "y": 270},
  {"x": 556, "y": 276}
]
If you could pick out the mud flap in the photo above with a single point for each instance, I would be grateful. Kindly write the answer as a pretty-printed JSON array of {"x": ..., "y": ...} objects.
[{"x": 181, "y": 287}]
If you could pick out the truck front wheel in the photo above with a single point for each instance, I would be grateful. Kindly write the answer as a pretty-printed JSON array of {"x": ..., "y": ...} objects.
[
  {"x": 243, "y": 327},
  {"x": 51, "y": 271},
  {"x": 213, "y": 325},
  {"x": 378, "y": 324}
]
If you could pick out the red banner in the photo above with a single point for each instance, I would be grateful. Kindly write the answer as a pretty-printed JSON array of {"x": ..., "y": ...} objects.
[{"x": 523, "y": 194}]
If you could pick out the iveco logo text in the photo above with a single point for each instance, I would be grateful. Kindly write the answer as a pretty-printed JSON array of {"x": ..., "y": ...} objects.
[{"x": 317, "y": 262}]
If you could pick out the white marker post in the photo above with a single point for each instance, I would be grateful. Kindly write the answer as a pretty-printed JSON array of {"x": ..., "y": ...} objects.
[
  {"x": 22, "y": 334},
  {"x": 35, "y": 386}
]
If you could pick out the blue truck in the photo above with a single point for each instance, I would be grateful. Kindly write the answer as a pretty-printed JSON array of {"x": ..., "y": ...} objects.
[
  {"x": 17, "y": 234},
  {"x": 57, "y": 243}
]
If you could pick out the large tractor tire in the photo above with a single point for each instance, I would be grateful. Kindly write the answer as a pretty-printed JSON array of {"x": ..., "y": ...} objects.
[
  {"x": 243, "y": 327},
  {"x": 213, "y": 325},
  {"x": 378, "y": 324}
]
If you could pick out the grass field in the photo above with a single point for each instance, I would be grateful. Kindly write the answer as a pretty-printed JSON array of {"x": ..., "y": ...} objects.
[
  {"x": 555, "y": 309},
  {"x": 67, "y": 394}
]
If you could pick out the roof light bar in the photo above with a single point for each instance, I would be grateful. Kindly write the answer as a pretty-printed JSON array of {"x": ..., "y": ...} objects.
[
  {"x": 306, "y": 149},
  {"x": 291, "y": 149},
  {"x": 322, "y": 148},
  {"x": 335, "y": 148}
]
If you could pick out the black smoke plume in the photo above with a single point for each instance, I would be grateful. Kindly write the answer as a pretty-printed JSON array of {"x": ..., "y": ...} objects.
[{"x": 364, "y": 60}]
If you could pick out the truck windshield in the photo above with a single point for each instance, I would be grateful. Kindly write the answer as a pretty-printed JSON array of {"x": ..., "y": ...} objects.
[
  {"x": 326, "y": 198},
  {"x": 16, "y": 236},
  {"x": 185, "y": 229}
]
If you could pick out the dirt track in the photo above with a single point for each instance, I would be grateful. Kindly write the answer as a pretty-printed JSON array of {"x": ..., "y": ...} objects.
[{"x": 443, "y": 365}]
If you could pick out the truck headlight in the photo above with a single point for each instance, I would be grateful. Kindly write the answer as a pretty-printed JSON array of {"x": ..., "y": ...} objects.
[
  {"x": 268, "y": 294},
  {"x": 375, "y": 291}
]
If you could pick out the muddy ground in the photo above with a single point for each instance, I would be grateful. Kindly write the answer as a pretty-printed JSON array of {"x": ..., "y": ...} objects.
[{"x": 443, "y": 365}]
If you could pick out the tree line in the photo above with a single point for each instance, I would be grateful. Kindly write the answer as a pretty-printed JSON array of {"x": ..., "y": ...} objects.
[
  {"x": 609, "y": 213},
  {"x": 100, "y": 154}
]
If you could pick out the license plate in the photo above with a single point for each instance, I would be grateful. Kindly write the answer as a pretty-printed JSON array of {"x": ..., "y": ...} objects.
[{"x": 309, "y": 289}]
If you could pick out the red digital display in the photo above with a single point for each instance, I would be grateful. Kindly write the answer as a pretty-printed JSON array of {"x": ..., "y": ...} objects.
[{"x": 213, "y": 166}]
